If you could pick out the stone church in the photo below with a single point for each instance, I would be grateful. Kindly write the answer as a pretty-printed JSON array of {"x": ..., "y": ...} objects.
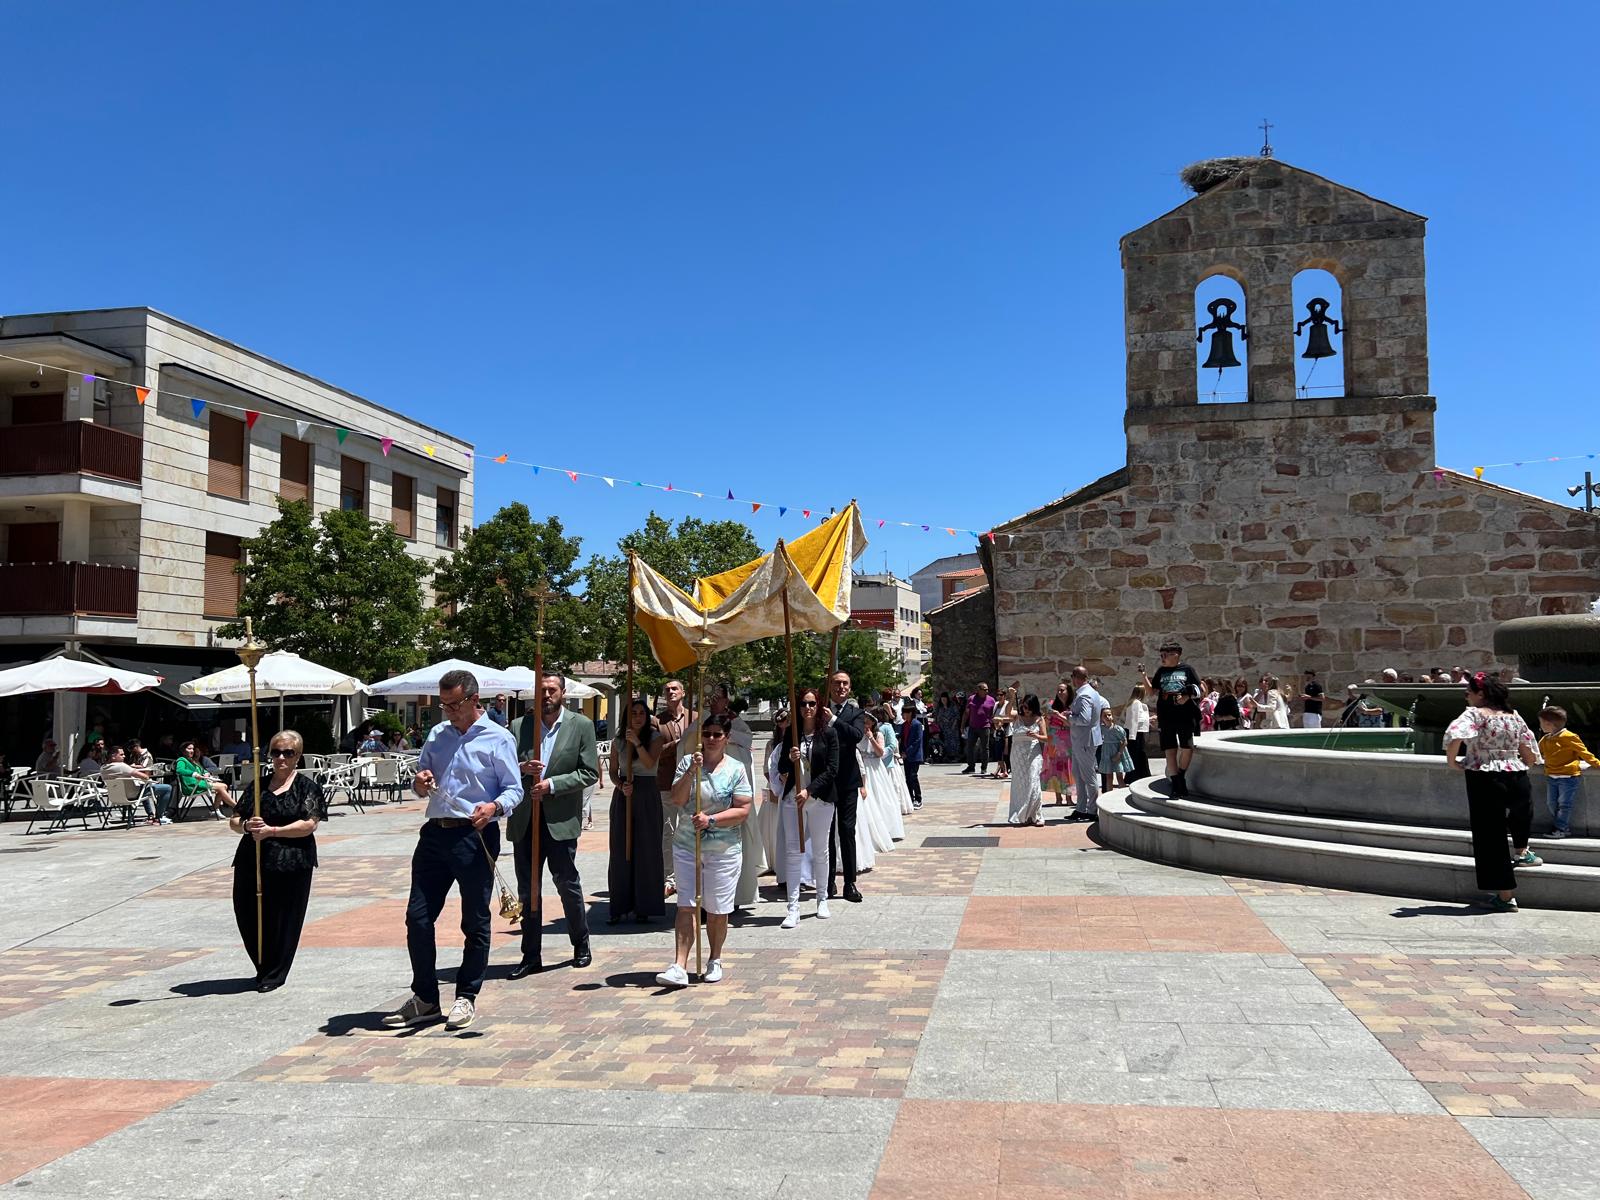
[{"x": 1276, "y": 533}]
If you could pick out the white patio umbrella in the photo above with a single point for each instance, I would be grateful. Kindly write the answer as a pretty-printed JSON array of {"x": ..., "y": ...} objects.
[
  {"x": 73, "y": 675},
  {"x": 528, "y": 688},
  {"x": 279, "y": 674},
  {"x": 425, "y": 680}
]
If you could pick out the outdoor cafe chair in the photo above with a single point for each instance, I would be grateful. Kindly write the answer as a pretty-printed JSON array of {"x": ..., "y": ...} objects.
[
  {"x": 17, "y": 788},
  {"x": 342, "y": 778},
  {"x": 66, "y": 798}
]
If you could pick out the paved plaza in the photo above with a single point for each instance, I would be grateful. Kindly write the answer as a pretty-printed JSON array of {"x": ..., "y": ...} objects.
[{"x": 1012, "y": 1013}]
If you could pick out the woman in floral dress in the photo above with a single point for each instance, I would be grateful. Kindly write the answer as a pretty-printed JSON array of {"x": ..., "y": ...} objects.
[{"x": 1057, "y": 772}]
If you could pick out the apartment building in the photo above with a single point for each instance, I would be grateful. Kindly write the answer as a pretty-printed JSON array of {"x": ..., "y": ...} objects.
[
  {"x": 121, "y": 522},
  {"x": 890, "y": 607}
]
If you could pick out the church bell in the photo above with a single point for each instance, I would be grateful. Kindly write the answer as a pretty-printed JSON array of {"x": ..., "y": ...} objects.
[
  {"x": 1222, "y": 354},
  {"x": 1317, "y": 342},
  {"x": 1221, "y": 325}
]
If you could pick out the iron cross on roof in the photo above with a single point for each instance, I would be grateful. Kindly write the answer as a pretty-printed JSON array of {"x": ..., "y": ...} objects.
[{"x": 1266, "y": 138}]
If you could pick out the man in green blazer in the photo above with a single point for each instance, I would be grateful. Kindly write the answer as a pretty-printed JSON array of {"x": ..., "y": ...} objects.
[{"x": 565, "y": 764}]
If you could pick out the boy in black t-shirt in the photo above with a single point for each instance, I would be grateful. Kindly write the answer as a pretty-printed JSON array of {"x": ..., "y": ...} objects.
[
  {"x": 1177, "y": 688},
  {"x": 1312, "y": 693}
]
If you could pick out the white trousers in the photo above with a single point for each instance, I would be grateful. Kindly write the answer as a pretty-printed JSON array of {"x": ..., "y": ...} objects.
[
  {"x": 671, "y": 815},
  {"x": 819, "y": 821},
  {"x": 1310, "y": 720}
]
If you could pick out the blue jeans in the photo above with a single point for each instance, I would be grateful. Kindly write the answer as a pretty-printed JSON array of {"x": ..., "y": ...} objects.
[
  {"x": 1563, "y": 794},
  {"x": 163, "y": 793},
  {"x": 444, "y": 857}
]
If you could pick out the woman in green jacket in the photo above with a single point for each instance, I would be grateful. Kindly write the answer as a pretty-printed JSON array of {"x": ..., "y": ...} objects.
[{"x": 193, "y": 779}]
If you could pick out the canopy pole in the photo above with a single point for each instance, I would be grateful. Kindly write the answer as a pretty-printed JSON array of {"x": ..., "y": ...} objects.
[
  {"x": 540, "y": 594},
  {"x": 626, "y": 724},
  {"x": 250, "y": 654},
  {"x": 794, "y": 722},
  {"x": 702, "y": 651}
]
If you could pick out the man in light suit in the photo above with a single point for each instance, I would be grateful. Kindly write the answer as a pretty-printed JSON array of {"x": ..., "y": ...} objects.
[
  {"x": 565, "y": 764},
  {"x": 850, "y": 723}
]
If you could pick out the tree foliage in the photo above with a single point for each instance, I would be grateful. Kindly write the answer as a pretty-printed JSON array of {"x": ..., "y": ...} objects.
[
  {"x": 340, "y": 590},
  {"x": 488, "y": 580}
]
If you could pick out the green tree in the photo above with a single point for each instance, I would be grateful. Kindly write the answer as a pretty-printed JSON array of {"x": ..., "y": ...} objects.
[
  {"x": 340, "y": 590},
  {"x": 693, "y": 549},
  {"x": 488, "y": 581},
  {"x": 868, "y": 664}
]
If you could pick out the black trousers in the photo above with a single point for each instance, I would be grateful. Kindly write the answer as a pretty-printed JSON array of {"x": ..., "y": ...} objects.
[
  {"x": 444, "y": 857},
  {"x": 1140, "y": 756},
  {"x": 913, "y": 784},
  {"x": 637, "y": 885},
  {"x": 562, "y": 859},
  {"x": 284, "y": 897},
  {"x": 842, "y": 838},
  {"x": 1499, "y": 805},
  {"x": 978, "y": 745}
]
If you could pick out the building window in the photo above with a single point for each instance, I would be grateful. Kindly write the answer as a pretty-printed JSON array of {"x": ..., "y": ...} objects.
[
  {"x": 403, "y": 505},
  {"x": 225, "y": 475},
  {"x": 294, "y": 469},
  {"x": 223, "y": 583},
  {"x": 352, "y": 485},
  {"x": 444, "y": 528}
]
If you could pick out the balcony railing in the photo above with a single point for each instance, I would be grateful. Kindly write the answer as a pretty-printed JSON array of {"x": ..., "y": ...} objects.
[
  {"x": 71, "y": 448},
  {"x": 58, "y": 589}
]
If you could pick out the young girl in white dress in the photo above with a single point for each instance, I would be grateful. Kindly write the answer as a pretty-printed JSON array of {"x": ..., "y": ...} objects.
[
  {"x": 1028, "y": 736},
  {"x": 881, "y": 808}
]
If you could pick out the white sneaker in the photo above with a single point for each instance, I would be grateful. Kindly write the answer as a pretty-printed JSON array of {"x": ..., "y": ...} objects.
[
  {"x": 461, "y": 1013},
  {"x": 713, "y": 972},
  {"x": 791, "y": 918},
  {"x": 673, "y": 977},
  {"x": 166, "y": 821},
  {"x": 822, "y": 909}
]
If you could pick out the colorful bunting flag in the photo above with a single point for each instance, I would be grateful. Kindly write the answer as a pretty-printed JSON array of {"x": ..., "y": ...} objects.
[
  {"x": 88, "y": 378},
  {"x": 428, "y": 450},
  {"x": 536, "y": 470},
  {"x": 755, "y": 507},
  {"x": 951, "y": 532},
  {"x": 142, "y": 393},
  {"x": 782, "y": 509},
  {"x": 730, "y": 493},
  {"x": 572, "y": 475},
  {"x": 880, "y": 524},
  {"x": 199, "y": 406},
  {"x": 610, "y": 482},
  {"x": 301, "y": 428},
  {"x": 250, "y": 418},
  {"x": 386, "y": 445},
  {"x": 341, "y": 434},
  {"x": 500, "y": 458},
  {"x": 805, "y": 512},
  {"x": 1477, "y": 472}
]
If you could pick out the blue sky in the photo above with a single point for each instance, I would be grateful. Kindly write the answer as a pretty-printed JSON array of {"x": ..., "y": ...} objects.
[{"x": 800, "y": 250}]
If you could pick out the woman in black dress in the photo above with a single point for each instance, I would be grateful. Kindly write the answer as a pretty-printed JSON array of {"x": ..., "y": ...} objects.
[
  {"x": 638, "y": 885},
  {"x": 292, "y": 805}
]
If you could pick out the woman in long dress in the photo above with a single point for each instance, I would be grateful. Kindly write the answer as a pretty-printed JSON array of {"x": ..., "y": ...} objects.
[
  {"x": 291, "y": 807},
  {"x": 637, "y": 885},
  {"x": 1056, "y": 775},
  {"x": 882, "y": 807},
  {"x": 1028, "y": 738},
  {"x": 767, "y": 823}
]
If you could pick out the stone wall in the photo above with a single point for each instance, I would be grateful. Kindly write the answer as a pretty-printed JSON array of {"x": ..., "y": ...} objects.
[
  {"x": 964, "y": 643},
  {"x": 1280, "y": 537}
]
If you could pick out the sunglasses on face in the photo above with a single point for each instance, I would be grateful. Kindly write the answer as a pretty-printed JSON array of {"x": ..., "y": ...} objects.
[
  {"x": 281, "y": 752},
  {"x": 713, "y": 734},
  {"x": 808, "y": 704}
]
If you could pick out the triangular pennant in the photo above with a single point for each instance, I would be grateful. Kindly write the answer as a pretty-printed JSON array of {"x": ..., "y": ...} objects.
[
  {"x": 428, "y": 450},
  {"x": 342, "y": 434},
  {"x": 468, "y": 453},
  {"x": 250, "y": 418},
  {"x": 572, "y": 475},
  {"x": 805, "y": 512},
  {"x": 300, "y": 429},
  {"x": 950, "y": 531},
  {"x": 990, "y": 536},
  {"x": 386, "y": 445},
  {"x": 142, "y": 393},
  {"x": 669, "y": 487},
  {"x": 924, "y": 529},
  {"x": 199, "y": 407},
  {"x": 1477, "y": 472},
  {"x": 636, "y": 483},
  {"x": 500, "y": 458},
  {"x": 698, "y": 495},
  {"x": 880, "y": 524},
  {"x": 536, "y": 470},
  {"x": 730, "y": 493},
  {"x": 610, "y": 482},
  {"x": 755, "y": 506},
  {"x": 88, "y": 378},
  {"x": 782, "y": 510}
]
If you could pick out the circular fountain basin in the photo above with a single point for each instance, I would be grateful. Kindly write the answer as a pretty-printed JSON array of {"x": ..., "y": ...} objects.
[{"x": 1356, "y": 774}]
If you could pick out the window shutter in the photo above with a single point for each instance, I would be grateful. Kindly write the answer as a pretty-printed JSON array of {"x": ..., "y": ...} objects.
[
  {"x": 404, "y": 502},
  {"x": 222, "y": 585},
  {"x": 225, "y": 476},
  {"x": 294, "y": 472}
]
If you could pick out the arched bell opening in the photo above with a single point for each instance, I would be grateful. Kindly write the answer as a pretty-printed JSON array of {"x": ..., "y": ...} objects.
[
  {"x": 1222, "y": 340},
  {"x": 1320, "y": 360}
]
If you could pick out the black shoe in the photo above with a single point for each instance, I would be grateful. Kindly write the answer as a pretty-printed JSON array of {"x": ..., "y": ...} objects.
[
  {"x": 268, "y": 987},
  {"x": 833, "y": 893},
  {"x": 1180, "y": 785},
  {"x": 616, "y": 918},
  {"x": 852, "y": 893},
  {"x": 580, "y": 954},
  {"x": 968, "y": 771},
  {"x": 528, "y": 966}
]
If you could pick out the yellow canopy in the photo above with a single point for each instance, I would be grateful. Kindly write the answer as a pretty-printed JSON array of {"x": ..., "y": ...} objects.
[{"x": 747, "y": 603}]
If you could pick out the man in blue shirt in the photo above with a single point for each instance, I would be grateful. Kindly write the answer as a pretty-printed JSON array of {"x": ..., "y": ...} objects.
[{"x": 467, "y": 773}]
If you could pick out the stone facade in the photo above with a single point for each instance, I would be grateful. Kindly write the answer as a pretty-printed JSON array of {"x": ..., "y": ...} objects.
[
  {"x": 1280, "y": 534},
  {"x": 964, "y": 643}
]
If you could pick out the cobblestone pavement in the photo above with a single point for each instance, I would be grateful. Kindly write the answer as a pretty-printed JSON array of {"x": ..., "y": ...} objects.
[{"x": 1012, "y": 1012}]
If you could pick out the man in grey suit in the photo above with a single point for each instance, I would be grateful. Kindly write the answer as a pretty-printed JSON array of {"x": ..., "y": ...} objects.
[
  {"x": 1083, "y": 719},
  {"x": 566, "y": 764}
]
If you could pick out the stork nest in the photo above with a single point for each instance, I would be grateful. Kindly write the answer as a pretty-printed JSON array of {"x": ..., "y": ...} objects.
[{"x": 1200, "y": 177}]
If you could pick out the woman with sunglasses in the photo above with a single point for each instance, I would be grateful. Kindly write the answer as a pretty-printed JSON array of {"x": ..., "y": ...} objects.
[
  {"x": 724, "y": 805},
  {"x": 291, "y": 807},
  {"x": 637, "y": 884},
  {"x": 809, "y": 772}
]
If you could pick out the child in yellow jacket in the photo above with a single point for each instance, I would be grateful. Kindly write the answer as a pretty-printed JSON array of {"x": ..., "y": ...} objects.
[{"x": 1563, "y": 752}]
